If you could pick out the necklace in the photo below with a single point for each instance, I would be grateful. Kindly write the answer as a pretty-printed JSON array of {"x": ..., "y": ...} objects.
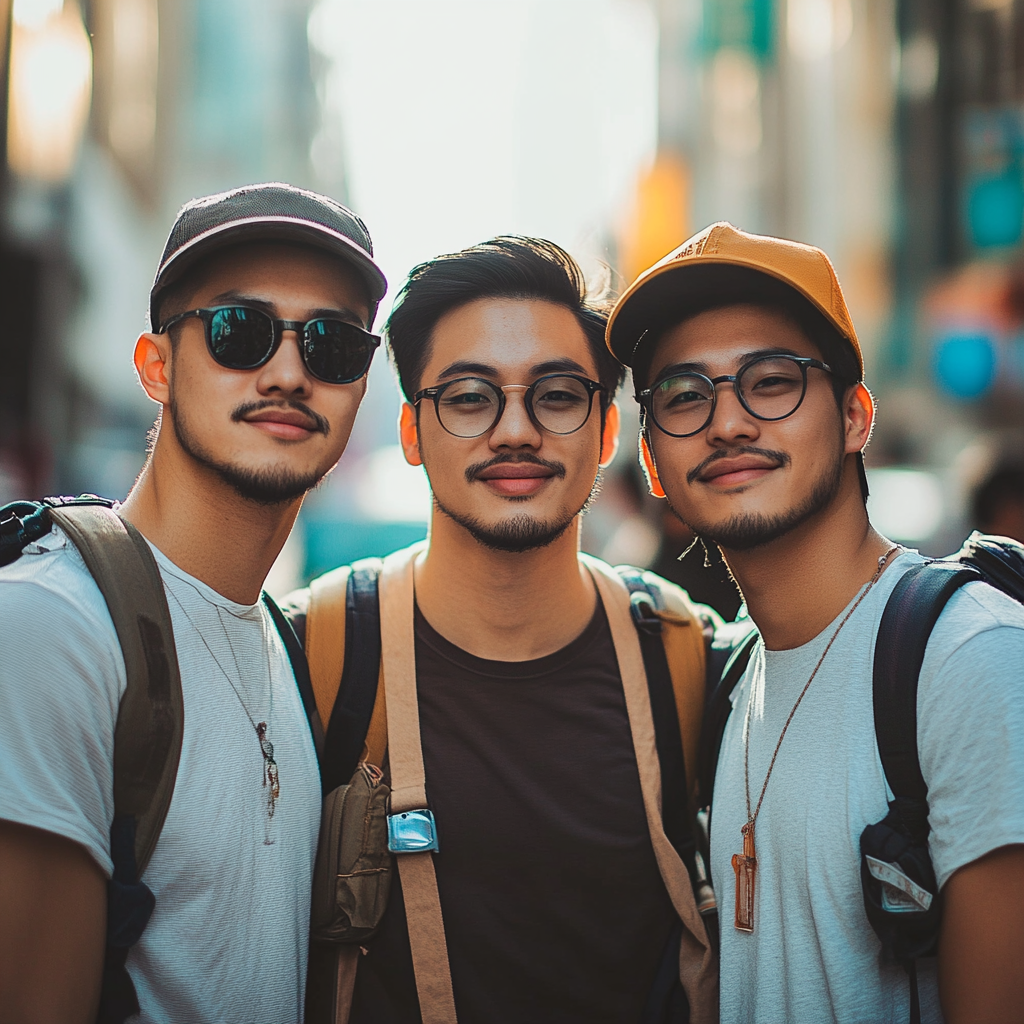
[
  {"x": 271, "y": 780},
  {"x": 745, "y": 864}
]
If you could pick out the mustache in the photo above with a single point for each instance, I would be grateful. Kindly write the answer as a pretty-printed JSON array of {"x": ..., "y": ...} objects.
[
  {"x": 779, "y": 458},
  {"x": 320, "y": 423},
  {"x": 557, "y": 468}
]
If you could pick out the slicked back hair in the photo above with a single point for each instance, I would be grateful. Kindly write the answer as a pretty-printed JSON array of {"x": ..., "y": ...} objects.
[{"x": 506, "y": 267}]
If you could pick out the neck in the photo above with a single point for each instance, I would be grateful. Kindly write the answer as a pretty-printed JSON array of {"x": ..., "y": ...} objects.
[
  {"x": 205, "y": 528},
  {"x": 796, "y": 585},
  {"x": 500, "y": 605}
]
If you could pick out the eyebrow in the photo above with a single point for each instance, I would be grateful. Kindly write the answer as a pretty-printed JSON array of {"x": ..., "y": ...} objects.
[
  {"x": 325, "y": 312},
  {"x": 699, "y": 366},
  {"x": 462, "y": 367}
]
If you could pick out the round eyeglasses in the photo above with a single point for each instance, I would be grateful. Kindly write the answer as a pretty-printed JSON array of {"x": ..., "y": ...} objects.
[
  {"x": 769, "y": 388},
  {"x": 559, "y": 403}
]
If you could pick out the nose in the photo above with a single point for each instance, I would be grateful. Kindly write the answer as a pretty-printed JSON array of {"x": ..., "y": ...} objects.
[
  {"x": 285, "y": 372},
  {"x": 515, "y": 429},
  {"x": 730, "y": 423}
]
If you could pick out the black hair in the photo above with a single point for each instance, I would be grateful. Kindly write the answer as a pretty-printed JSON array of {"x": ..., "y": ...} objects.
[{"x": 509, "y": 266}]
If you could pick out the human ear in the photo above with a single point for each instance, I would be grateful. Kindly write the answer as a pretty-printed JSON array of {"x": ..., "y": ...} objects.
[
  {"x": 610, "y": 434},
  {"x": 647, "y": 461},
  {"x": 858, "y": 417},
  {"x": 409, "y": 435},
  {"x": 151, "y": 357}
]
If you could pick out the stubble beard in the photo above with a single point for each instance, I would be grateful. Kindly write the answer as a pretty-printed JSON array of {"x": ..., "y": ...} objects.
[
  {"x": 753, "y": 530},
  {"x": 276, "y": 485},
  {"x": 518, "y": 533}
]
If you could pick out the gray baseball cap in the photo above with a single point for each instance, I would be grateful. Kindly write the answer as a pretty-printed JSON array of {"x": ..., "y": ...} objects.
[{"x": 272, "y": 211}]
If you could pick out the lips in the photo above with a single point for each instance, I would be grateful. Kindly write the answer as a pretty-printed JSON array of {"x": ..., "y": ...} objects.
[
  {"x": 287, "y": 424},
  {"x": 730, "y": 472},
  {"x": 515, "y": 479}
]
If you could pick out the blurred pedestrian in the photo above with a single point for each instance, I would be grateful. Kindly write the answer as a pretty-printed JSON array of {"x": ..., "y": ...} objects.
[
  {"x": 997, "y": 505},
  {"x": 257, "y": 357},
  {"x": 562, "y": 890},
  {"x": 755, "y": 415}
]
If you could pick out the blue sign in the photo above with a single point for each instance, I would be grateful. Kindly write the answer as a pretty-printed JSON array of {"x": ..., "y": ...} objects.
[{"x": 965, "y": 365}]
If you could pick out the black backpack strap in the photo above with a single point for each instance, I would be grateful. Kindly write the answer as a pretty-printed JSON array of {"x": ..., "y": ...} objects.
[
  {"x": 910, "y": 615},
  {"x": 300, "y": 669},
  {"x": 353, "y": 709},
  {"x": 718, "y": 706},
  {"x": 675, "y": 803}
]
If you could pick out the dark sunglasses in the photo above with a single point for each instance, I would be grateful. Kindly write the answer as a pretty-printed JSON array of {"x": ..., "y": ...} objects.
[{"x": 242, "y": 338}]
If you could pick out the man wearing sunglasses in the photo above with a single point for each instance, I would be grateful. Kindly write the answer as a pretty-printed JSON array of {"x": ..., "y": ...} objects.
[
  {"x": 754, "y": 417},
  {"x": 553, "y": 905},
  {"x": 257, "y": 357}
]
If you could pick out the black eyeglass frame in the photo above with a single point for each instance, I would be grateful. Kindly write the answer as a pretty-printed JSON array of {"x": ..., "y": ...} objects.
[
  {"x": 644, "y": 398},
  {"x": 278, "y": 327},
  {"x": 435, "y": 393}
]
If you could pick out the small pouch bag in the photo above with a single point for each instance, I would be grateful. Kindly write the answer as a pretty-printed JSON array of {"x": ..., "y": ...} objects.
[{"x": 352, "y": 874}]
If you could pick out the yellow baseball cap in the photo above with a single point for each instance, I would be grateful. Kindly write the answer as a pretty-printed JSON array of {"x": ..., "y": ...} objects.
[{"x": 720, "y": 265}]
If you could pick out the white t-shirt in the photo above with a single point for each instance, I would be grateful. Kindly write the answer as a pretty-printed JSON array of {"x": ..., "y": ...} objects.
[
  {"x": 813, "y": 957},
  {"x": 228, "y": 939}
]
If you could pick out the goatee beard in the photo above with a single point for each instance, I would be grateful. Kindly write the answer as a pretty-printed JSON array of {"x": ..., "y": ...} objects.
[
  {"x": 520, "y": 533},
  {"x": 269, "y": 486},
  {"x": 515, "y": 534},
  {"x": 753, "y": 530}
]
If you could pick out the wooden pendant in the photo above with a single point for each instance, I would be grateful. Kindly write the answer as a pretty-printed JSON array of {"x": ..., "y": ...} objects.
[{"x": 745, "y": 866}]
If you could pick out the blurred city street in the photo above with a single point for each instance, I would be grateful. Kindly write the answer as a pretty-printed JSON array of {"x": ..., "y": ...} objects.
[{"x": 888, "y": 132}]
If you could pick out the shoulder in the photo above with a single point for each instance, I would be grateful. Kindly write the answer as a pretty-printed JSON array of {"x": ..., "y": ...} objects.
[
  {"x": 49, "y": 592},
  {"x": 981, "y": 620}
]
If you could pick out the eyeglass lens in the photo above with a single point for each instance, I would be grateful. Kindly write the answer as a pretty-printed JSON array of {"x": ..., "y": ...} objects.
[
  {"x": 471, "y": 407},
  {"x": 333, "y": 351},
  {"x": 770, "y": 388}
]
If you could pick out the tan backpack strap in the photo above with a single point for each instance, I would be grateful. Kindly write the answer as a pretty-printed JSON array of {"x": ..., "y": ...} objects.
[
  {"x": 376, "y": 744},
  {"x": 151, "y": 716},
  {"x": 408, "y": 788},
  {"x": 325, "y": 637},
  {"x": 698, "y": 969}
]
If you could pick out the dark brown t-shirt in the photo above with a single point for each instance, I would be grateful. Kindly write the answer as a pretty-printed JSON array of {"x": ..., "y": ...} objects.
[{"x": 553, "y": 905}]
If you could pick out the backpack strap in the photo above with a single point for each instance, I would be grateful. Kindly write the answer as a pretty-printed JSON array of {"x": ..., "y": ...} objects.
[
  {"x": 151, "y": 717},
  {"x": 718, "y": 707},
  {"x": 698, "y": 969},
  {"x": 325, "y": 637},
  {"x": 148, "y": 733},
  {"x": 356, "y": 685},
  {"x": 300, "y": 669},
  {"x": 672, "y": 645},
  {"x": 910, "y": 615},
  {"x": 408, "y": 793}
]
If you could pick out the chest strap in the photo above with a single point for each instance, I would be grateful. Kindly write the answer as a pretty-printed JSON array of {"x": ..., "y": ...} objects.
[{"x": 409, "y": 793}]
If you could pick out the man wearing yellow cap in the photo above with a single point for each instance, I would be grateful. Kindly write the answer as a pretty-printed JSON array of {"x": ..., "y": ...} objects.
[{"x": 754, "y": 419}]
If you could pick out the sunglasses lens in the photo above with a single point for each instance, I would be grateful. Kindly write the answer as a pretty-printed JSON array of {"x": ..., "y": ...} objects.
[
  {"x": 240, "y": 338},
  {"x": 337, "y": 352}
]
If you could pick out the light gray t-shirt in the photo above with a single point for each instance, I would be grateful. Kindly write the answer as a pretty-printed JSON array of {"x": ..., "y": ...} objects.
[
  {"x": 228, "y": 939},
  {"x": 813, "y": 957}
]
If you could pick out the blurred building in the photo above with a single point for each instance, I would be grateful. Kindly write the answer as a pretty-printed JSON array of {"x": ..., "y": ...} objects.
[{"x": 188, "y": 97}]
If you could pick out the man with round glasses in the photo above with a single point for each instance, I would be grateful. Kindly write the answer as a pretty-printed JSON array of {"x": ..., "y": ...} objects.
[
  {"x": 754, "y": 418},
  {"x": 553, "y": 902},
  {"x": 257, "y": 357}
]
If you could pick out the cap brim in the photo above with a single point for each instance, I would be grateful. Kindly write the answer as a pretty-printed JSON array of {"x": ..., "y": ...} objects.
[
  {"x": 680, "y": 289},
  {"x": 271, "y": 229}
]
